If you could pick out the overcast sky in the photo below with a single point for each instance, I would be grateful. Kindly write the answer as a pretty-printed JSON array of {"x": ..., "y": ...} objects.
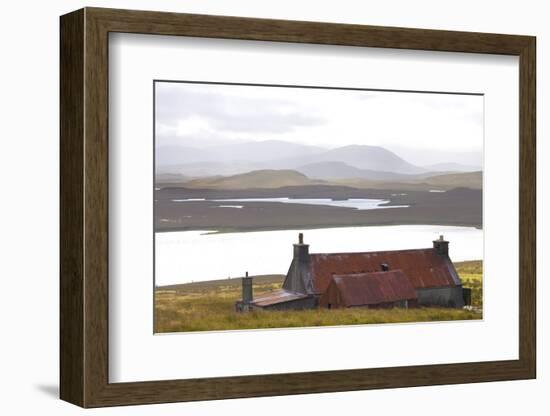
[{"x": 201, "y": 115}]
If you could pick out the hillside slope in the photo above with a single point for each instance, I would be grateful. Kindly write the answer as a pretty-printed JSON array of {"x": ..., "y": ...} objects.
[{"x": 266, "y": 179}]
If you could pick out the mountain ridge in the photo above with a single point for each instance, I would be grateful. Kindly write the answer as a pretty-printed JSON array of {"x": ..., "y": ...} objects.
[
  {"x": 271, "y": 178},
  {"x": 273, "y": 154},
  {"x": 340, "y": 170}
]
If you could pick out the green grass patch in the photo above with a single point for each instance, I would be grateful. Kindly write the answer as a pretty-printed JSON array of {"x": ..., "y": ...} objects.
[{"x": 471, "y": 274}]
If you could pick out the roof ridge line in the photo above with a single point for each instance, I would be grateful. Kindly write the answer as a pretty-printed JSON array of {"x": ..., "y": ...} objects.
[{"x": 370, "y": 252}]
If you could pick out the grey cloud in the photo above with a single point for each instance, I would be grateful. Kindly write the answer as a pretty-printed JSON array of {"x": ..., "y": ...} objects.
[{"x": 232, "y": 114}]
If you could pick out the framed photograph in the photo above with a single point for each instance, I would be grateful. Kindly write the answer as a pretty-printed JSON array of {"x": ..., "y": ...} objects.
[{"x": 254, "y": 207}]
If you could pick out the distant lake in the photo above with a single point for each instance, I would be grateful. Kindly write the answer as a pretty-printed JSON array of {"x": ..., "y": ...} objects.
[
  {"x": 356, "y": 203},
  {"x": 185, "y": 256}
]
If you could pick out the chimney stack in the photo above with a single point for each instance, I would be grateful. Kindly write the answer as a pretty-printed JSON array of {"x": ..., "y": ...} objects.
[
  {"x": 301, "y": 250},
  {"x": 247, "y": 289},
  {"x": 441, "y": 246}
]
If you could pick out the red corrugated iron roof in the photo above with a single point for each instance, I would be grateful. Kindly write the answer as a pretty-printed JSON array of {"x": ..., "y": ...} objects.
[
  {"x": 277, "y": 296},
  {"x": 373, "y": 288},
  {"x": 424, "y": 267}
]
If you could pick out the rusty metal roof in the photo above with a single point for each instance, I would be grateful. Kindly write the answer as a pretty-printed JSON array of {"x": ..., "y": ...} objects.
[
  {"x": 277, "y": 296},
  {"x": 373, "y": 288},
  {"x": 424, "y": 267}
]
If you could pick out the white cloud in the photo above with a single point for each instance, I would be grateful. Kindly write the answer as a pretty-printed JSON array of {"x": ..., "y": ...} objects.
[{"x": 323, "y": 117}]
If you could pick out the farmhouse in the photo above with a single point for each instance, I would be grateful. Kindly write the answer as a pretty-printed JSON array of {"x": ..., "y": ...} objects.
[{"x": 377, "y": 279}]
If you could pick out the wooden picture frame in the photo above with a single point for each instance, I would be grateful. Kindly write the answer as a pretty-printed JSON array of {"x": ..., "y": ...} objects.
[{"x": 84, "y": 207}]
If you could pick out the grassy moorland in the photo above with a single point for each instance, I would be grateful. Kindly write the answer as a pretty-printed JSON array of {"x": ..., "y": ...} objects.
[{"x": 209, "y": 306}]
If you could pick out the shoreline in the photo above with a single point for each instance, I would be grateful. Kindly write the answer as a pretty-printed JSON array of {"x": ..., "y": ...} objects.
[{"x": 231, "y": 230}]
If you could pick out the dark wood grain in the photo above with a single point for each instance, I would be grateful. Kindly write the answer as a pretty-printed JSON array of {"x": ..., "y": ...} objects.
[
  {"x": 527, "y": 208},
  {"x": 71, "y": 101},
  {"x": 84, "y": 207}
]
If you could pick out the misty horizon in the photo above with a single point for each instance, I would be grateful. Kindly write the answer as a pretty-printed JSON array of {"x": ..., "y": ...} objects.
[{"x": 443, "y": 128}]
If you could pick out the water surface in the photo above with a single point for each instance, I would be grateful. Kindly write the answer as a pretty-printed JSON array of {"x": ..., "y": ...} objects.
[
  {"x": 185, "y": 256},
  {"x": 356, "y": 203}
]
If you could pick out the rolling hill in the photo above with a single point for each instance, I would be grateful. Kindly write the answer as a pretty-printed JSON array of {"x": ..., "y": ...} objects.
[
  {"x": 341, "y": 170},
  {"x": 257, "y": 179},
  {"x": 370, "y": 157},
  {"x": 273, "y": 164},
  {"x": 452, "y": 167},
  {"x": 270, "y": 179},
  {"x": 471, "y": 180}
]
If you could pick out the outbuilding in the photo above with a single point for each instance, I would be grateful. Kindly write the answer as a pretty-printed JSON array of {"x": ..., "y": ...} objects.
[{"x": 385, "y": 289}]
